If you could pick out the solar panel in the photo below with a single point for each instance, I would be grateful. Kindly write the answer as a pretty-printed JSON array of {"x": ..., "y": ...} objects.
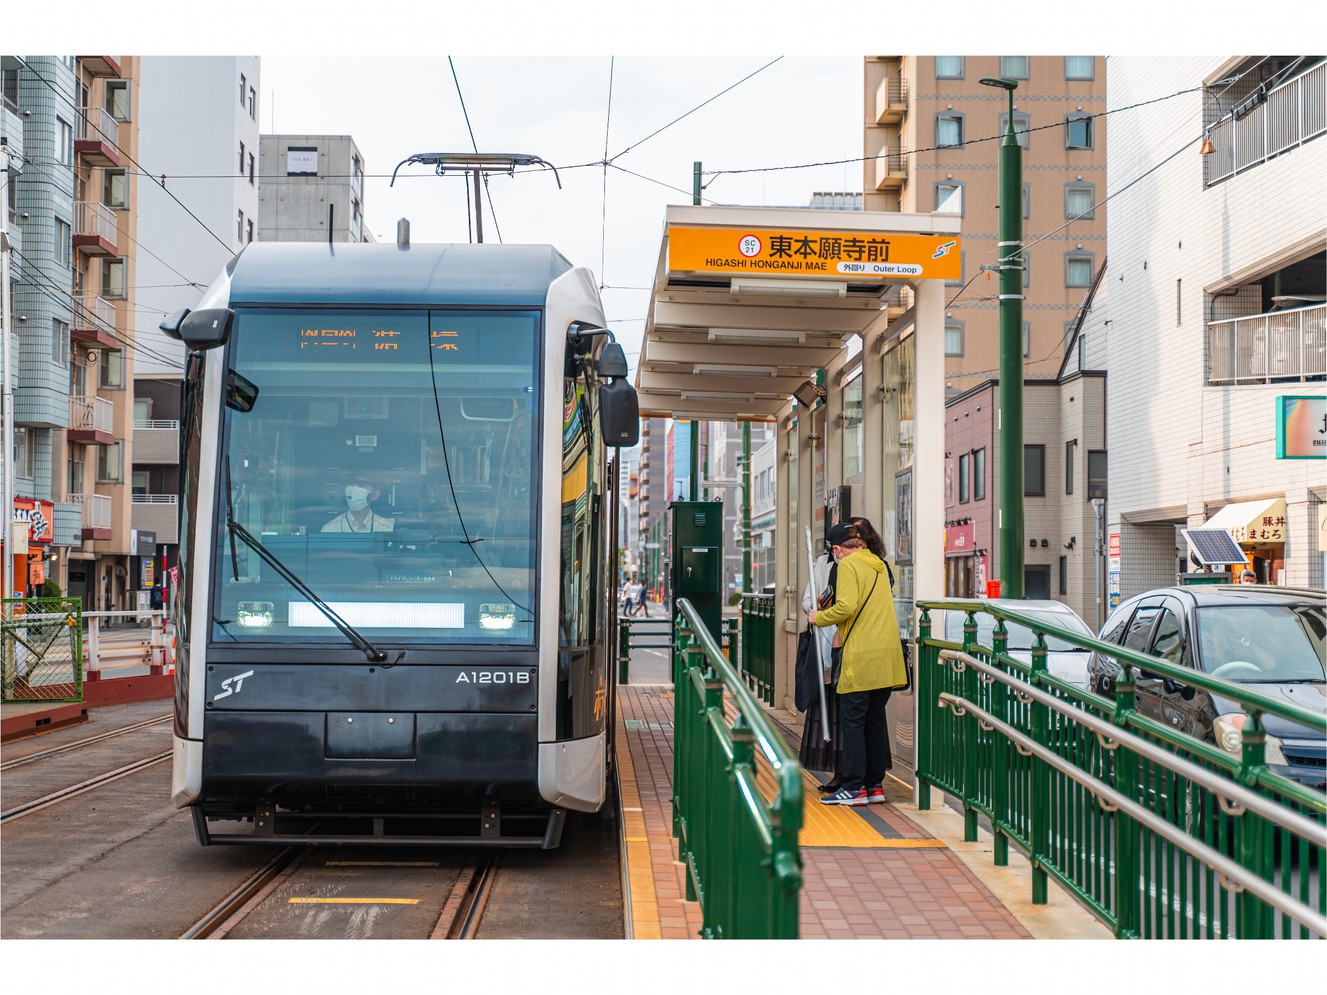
[{"x": 1213, "y": 546}]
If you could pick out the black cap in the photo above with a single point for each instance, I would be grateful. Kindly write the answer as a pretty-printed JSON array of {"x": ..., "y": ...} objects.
[{"x": 840, "y": 533}]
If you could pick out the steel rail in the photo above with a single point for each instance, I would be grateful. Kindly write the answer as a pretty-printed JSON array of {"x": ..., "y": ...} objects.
[
  {"x": 81, "y": 788},
  {"x": 229, "y": 910},
  {"x": 54, "y": 751},
  {"x": 1234, "y": 797},
  {"x": 465, "y": 907},
  {"x": 1232, "y": 876}
]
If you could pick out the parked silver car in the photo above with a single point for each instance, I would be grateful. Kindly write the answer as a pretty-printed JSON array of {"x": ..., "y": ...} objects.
[{"x": 1063, "y": 659}]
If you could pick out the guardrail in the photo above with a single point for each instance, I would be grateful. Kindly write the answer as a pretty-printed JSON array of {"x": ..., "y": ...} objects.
[
  {"x": 141, "y": 645},
  {"x": 741, "y": 854},
  {"x": 1157, "y": 833},
  {"x": 757, "y": 644},
  {"x": 634, "y": 633},
  {"x": 41, "y": 650}
]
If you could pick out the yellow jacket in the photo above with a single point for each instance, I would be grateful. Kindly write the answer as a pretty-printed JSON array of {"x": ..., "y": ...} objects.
[{"x": 872, "y": 650}]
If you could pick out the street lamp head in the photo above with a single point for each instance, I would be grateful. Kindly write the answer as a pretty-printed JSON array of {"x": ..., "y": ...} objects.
[{"x": 1001, "y": 82}]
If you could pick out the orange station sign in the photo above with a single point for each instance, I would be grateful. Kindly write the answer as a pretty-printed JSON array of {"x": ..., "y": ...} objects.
[{"x": 767, "y": 252}]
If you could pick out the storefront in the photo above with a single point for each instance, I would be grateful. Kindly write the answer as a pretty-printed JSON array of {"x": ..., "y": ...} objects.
[
  {"x": 1259, "y": 527},
  {"x": 32, "y": 532}
]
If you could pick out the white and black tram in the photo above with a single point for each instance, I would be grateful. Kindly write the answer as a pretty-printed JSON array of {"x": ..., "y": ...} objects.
[{"x": 397, "y": 545}]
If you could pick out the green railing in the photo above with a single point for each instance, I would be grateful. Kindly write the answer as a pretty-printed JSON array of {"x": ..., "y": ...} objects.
[
  {"x": 1157, "y": 833},
  {"x": 742, "y": 860},
  {"x": 41, "y": 649},
  {"x": 757, "y": 645},
  {"x": 636, "y": 633}
]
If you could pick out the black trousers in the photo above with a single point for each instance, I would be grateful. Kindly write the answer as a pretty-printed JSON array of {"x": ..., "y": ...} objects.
[{"x": 864, "y": 727}]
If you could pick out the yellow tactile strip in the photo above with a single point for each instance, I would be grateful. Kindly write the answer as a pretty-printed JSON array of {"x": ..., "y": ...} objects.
[{"x": 640, "y": 874}]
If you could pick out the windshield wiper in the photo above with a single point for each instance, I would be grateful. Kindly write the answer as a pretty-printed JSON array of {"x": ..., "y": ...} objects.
[{"x": 235, "y": 529}]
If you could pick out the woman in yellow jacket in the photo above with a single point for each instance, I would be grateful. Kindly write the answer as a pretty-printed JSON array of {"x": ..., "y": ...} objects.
[{"x": 873, "y": 664}]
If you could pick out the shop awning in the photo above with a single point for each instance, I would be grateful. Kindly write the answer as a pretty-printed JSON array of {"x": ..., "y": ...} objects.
[{"x": 1253, "y": 523}]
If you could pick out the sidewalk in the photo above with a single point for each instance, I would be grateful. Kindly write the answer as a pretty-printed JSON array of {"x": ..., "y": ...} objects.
[{"x": 880, "y": 872}]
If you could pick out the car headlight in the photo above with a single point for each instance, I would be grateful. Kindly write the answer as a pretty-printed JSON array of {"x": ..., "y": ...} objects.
[
  {"x": 1229, "y": 731},
  {"x": 1273, "y": 754}
]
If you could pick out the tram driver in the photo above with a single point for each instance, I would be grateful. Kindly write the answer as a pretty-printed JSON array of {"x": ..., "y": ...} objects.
[{"x": 359, "y": 516}]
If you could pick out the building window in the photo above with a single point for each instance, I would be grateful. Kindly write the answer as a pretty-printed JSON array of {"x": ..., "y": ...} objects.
[
  {"x": 964, "y": 476},
  {"x": 115, "y": 189},
  {"x": 949, "y": 198},
  {"x": 22, "y": 454},
  {"x": 953, "y": 338},
  {"x": 962, "y": 268},
  {"x": 75, "y": 476},
  {"x": 251, "y": 170},
  {"x": 253, "y": 104},
  {"x": 113, "y": 278},
  {"x": 59, "y": 341},
  {"x": 1179, "y": 302},
  {"x": 63, "y": 242},
  {"x": 1014, "y": 66},
  {"x": 64, "y": 152},
  {"x": 1022, "y": 122},
  {"x": 239, "y": 227},
  {"x": 1027, "y": 339},
  {"x": 948, "y": 130},
  {"x": 1096, "y": 474},
  {"x": 1064, "y": 575},
  {"x": 11, "y": 77},
  {"x": 979, "y": 474},
  {"x": 1078, "y": 67},
  {"x": 1069, "y": 448},
  {"x": 1080, "y": 201},
  {"x": 250, "y": 230},
  {"x": 118, "y": 102},
  {"x": 949, "y": 67},
  {"x": 1026, "y": 258},
  {"x": 1078, "y": 269},
  {"x": 1034, "y": 471},
  {"x": 244, "y": 85},
  {"x": 1078, "y": 131},
  {"x": 1027, "y": 201},
  {"x": 241, "y": 158},
  {"x": 110, "y": 463},
  {"x": 112, "y": 368}
]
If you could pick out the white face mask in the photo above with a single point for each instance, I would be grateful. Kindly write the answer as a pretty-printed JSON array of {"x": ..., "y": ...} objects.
[{"x": 357, "y": 498}]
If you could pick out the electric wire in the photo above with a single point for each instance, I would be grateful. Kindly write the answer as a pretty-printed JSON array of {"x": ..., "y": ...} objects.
[
  {"x": 603, "y": 200},
  {"x": 487, "y": 193},
  {"x": 115, "y": 145}
]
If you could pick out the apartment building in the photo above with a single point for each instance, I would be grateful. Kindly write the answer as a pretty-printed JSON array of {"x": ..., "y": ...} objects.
[
  {"x": 931, "y": 140},
  {"x": 1212, "y": 320},
  {"x": 311, "y": 189},
  {"x": 73, "y": 124}
]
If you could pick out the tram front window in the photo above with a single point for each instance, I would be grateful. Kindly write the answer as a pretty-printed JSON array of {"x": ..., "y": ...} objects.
[{"x": 389, "y": 463}]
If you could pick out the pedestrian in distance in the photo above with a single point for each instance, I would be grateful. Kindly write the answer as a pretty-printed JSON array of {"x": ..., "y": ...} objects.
[{"x": 872, "y": 664}]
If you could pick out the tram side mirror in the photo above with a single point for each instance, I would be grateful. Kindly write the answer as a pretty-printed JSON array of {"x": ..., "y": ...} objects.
[
  {"x": 612, "y": 362},
  {"x": 171, "y": 323},
  {"x": 619, "y": 413},
  {"x": 206, "y": 329}
]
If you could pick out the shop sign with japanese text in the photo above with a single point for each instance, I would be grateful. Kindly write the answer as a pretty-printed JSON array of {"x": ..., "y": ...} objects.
[{"x": 775, "y": 252}]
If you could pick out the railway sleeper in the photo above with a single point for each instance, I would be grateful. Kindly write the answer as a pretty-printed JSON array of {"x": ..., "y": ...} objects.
[{"x": 486, "y": 824}]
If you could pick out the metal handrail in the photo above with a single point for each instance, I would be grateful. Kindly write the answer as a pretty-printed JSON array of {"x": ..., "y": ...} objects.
[
  {"x": 1224, "y": 788},
  {"x": 1109, "y": 797},
  {"x": 1256, "y": 700}
]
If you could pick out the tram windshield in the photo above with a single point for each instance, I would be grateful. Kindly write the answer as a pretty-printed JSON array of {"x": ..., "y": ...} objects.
[{"x": 388, "y": 461}]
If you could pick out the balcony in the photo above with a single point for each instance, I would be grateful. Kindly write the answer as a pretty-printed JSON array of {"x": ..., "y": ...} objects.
[
  {"x": 891, "y": 168},
  {"x": 156, "y": 442},
  {"x": 101, "y": 65},
  {"x": 96, "y": 514},
  {"x": 159, "y": 513},
  {"x": 1268, "y": 125},
  {"x": 891, "y": 100},
  {"x": 95, "y": 231},
  {"x": 91, "y": 420},
  {"x": 1279, "y": 347},
  {"x": 93, "y": 322},
  {"x": 98, "y": 137}
]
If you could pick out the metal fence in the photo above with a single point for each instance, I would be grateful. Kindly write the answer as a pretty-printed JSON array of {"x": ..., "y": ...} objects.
[
  {"x": 757, "y": 645},
  {"x": 1282, "y": 346},
  {"x": 1268, "y": 124},
  {"x": 743, "y": 864},
  {"x": 1158, "y": 834},
  {"x": 41, "y": 650}
]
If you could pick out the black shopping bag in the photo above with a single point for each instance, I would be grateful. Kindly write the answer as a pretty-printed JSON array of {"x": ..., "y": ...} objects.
[{"x": 808, "y": 673}]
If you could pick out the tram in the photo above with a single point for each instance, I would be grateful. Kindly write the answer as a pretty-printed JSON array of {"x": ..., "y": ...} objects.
[{"x": 395, "y": 607}]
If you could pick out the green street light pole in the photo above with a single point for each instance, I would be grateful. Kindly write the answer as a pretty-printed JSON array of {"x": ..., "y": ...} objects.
[
  {"x": 1011, "y": 353},
  {"x": 746, "y": 507}
]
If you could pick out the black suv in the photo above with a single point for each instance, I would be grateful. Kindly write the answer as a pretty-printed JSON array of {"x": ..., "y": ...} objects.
[{"x": 1269, "y": 638}]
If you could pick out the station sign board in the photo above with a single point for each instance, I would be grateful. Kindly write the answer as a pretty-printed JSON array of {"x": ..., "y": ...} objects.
[{"x": 802, "y": 253}]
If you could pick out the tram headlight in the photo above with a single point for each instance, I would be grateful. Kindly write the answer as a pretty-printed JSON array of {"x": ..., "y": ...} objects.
[
  {"x": 497, "y": 616},
  {"x": 254, "y": 614}
]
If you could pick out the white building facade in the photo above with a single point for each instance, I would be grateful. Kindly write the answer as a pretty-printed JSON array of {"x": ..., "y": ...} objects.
[{"x": 1212, "y": 312}]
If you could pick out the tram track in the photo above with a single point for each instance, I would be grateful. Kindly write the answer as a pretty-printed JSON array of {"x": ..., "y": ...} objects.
[
  {"x": 91, "y": 784},
  {"x": 80, "y": 744},
  {"x": 232, "y": 909},
  {"x": 465, "y": 907}
]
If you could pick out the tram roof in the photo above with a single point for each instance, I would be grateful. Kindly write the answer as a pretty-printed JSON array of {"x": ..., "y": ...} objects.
[
  {"x": 387, "y": 273},
  {"x": 730, "y": 340}
]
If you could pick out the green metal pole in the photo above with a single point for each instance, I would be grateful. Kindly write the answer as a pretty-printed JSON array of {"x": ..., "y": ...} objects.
[
  {"x": 1011, "y": 354},
  {"x": 695, "y": 425},
  {"x": 746, "y": 507}
]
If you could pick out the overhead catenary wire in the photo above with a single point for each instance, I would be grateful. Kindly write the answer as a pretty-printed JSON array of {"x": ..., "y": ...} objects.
[
  {"x": 475, "y": 145},
  {"x": 603, "y": 218}
]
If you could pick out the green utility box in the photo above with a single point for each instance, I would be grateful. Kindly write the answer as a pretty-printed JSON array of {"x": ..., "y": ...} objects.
[{"x": 697, "y": 569}]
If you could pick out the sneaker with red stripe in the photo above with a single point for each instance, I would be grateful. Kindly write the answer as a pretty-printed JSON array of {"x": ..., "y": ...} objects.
[
  {"x": 876, "y": 795},
  {"x": 847, "y": 796}
]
